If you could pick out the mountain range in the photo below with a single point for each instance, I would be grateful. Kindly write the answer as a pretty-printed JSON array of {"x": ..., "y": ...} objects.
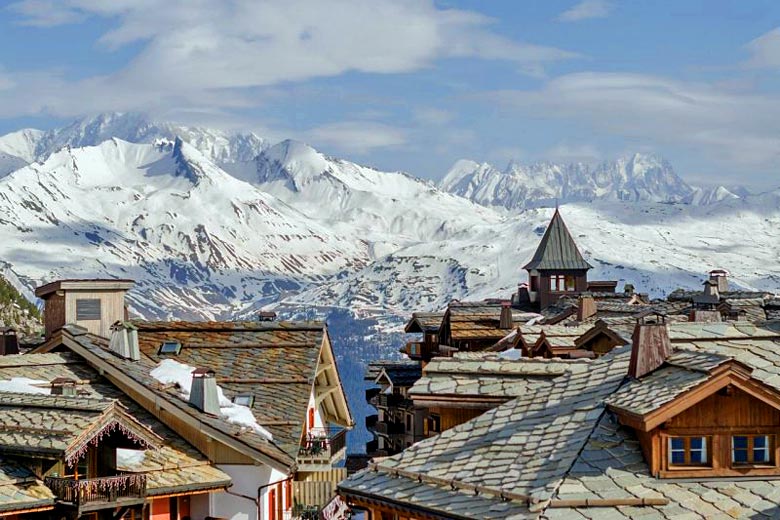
[{"x": 214, "y": 224}]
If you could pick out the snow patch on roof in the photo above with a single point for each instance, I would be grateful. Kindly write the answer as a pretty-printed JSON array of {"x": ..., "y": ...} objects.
[
  {"x": 170, "y": 371},
  {"x": 25, "y": 385}
]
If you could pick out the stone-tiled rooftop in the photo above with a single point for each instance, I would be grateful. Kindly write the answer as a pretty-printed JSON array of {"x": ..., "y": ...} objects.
[
  {"x": 174, "y": 466},
  {"x": 20, "y": 489}
]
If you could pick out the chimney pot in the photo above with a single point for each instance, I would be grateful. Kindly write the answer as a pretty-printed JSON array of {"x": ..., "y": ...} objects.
[
  {"x": 9, "y": 342},
  {"x": 505, "y": 321},
  {"x": 721, "y": 278},
  {"x": 203, "y": 392},
  {"x": 586, "y": 307},
  {"x": 124, "y": 341}
]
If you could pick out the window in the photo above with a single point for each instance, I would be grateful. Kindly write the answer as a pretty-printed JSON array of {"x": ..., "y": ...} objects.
[
  {"x": 170, "y": 347},
  {"x": 432, "y": 425},
  {"x": 751, "y": 449},
  {"x": 562, "y": 283},
  {"x": 688, "y": 451},
  {"x": 87, "y": 309},
  {"x": 244, "y": 400},
  {"x": 408, "y": 423}
]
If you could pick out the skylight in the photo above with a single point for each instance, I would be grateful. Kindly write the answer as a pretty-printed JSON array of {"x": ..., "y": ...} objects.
[
  {"x": 170, "y": 348},
  {"x": 244, "y": 400}
]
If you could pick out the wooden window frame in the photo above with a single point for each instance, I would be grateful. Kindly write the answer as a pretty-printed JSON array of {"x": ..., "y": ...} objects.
[
  {"x": 687, "y": 464},
  {"x": 751, "y": 463}
]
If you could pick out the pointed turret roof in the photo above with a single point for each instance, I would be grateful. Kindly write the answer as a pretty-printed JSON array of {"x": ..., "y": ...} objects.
[{"x": 557, "y": 250}]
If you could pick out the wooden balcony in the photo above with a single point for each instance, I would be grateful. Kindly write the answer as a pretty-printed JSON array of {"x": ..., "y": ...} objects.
[
  {"x": 322, "y": 447},
  {"x": 92, "y": 494},
  {"x": 311, "y": 495},
  {"x": 371, "y": 421},
  {"x": 420, "y": 350},
  {"x": 389, "y": 428}
]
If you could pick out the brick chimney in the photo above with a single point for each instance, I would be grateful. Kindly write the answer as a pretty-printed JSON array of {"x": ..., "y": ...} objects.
[
  {"x": 586, "y": 307},
  {"x": 650, "y": 344},
  {"x": 505, "y": 321},
  {"x": 203, "y": 393},
  {"x": 124, "y": 340}
]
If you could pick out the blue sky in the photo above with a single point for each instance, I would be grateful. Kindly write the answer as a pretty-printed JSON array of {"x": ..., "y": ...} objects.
[{"x": 413, "y": 85}]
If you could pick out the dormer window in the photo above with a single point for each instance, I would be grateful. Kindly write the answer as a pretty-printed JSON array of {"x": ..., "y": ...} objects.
[
  {"x": 688, "y": 451},
  {"x": 751, "y": 449},
  {"x": 170, "y": 348},
  {"x": 244, "y": 400}
]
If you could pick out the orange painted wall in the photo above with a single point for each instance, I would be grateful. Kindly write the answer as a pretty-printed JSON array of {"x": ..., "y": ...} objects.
[{"x": 161, "y": 509}]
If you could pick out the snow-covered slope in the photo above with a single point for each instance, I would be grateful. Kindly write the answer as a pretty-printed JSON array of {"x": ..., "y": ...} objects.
[
  {"x": 635, "y": 178},
  {"x": 199, "y": 241}
]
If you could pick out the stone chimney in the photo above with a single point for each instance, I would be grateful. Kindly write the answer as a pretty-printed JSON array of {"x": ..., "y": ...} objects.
[
  {"x": 712, "y": 289},
  {"x": 721, "y": 279},
  {"x": 505, "y": 321},
  {"x": 586, "y": 307},
  {"x": 650, "y": 344},
  {"x": 203, "y": 393},
  {"x": 705, "y": 316},
  {"x": 9, "y": 342},
  {"x": 124, "y": 341},
  {"x": 628, "y": 289}
]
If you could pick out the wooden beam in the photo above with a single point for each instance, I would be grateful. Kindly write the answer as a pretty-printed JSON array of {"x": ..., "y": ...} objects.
[
  {"x": 321, "y": 392},
  {"x": 322, "y": 368}
]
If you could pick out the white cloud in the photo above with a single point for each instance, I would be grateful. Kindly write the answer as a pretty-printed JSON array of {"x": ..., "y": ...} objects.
[
  {"x": 570, "y": 153},
  {"x": 740, "y": 128},
  {"x": 357, "y": 137},
  {"x": 200, "y": 52},
  {"x": 433, "y": 116},
  {"x": 765, "y": 50},
  {"x": 585, "y": 10}
]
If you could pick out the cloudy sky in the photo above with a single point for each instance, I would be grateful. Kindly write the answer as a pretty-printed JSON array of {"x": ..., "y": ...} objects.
[{"x": 415, "y": 85}]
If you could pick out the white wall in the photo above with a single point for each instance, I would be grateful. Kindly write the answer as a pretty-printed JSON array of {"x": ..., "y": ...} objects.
[
  {"x": 318, "y": 422},
  {"x": 246, "y": 480}
]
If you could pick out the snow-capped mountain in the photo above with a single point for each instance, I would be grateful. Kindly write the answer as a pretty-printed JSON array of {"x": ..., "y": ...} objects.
[
  {"x": 224, "y": 148},
  {"x": 214, "y": 225},
  {"x": 636, "y": 178}
]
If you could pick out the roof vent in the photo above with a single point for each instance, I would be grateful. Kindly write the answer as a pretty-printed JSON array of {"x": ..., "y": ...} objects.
[
  {"x": 63, "y": 386},
  {"x": 505, "y": 321},
  {"x": 650, "y": 344},
  {"x": 124, "y": 340},
  {"x": 170, "y": 347},
  {"x": 203, "y": 393},
  {"x": 9, "y": 343}
]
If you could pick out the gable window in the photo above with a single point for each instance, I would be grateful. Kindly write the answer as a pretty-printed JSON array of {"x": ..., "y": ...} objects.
[
  {"x": 87, "y": 309},
  {"x": 751, "y": 449},
  {"x": 688, "y": 451},
  {"x": 170, "y": 348}
]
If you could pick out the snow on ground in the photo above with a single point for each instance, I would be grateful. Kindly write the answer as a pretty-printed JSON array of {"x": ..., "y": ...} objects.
[{"x": 170, "y": 371}]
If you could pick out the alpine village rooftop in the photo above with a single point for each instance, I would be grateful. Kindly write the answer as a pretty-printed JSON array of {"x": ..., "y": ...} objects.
[
  {"x": 570, "y": 399},
  {"x": 574, "y": 400}
]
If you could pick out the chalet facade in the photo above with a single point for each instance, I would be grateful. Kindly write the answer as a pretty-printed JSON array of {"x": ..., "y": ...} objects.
[
  {"x": 239, "y": 420},
  {"x": 683, "y": 422}
]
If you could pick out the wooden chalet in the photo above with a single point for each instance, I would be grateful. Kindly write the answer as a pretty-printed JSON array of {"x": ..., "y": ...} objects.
[
  {"x": 681, "y": 423},
  {"x": 398, "y": 423},
  {"x": 427, "y": 324},
  {"x": 266, "y": 413}
]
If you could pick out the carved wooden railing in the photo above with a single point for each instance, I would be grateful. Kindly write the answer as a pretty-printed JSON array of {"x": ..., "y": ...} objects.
[{"x": 94, "y": 490}]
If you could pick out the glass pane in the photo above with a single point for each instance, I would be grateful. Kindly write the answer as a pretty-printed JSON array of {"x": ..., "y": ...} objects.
[
  {"x": 740, "y": 456},
  {"x": 759, "y": 442},
  {"x": 760, "y": 455},
  {"x": 740, "y": 442},
  {"x": 677, "y": 443},
  {"x": 678, "y": 457},
  {"x": 697, "y": 443},
  {"x": 698, "y": 457}
]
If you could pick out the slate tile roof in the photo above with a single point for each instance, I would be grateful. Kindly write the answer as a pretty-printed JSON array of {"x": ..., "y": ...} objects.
[
  {"x": 424, "y": 322},
  {"x": 557, "y": 249},
  {"x": 275, "y": 362},
  {"x": 611, "y": 466},
  {"x": 400, "y": 374},
  {"x": 521, "y": 448},
  {"x": 20, "y": 489},
  {"x": 480, "y": 320},
  {"x": 175, "y": 466},
  {"x": 484, "y": 374},
  {"x": 139, "y": 371},
  {"x": 544, "y": 453}
]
